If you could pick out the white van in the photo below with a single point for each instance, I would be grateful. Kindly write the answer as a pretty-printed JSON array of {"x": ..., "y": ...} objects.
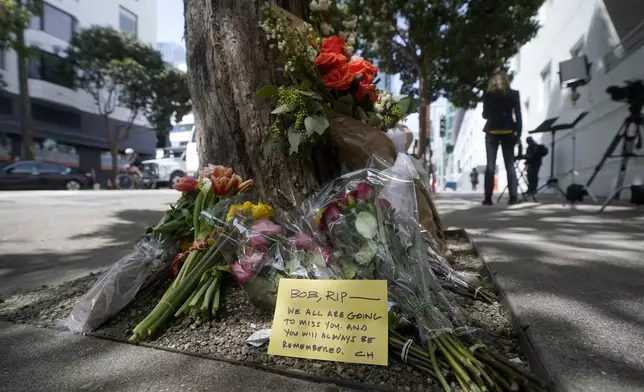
[{"x": 192, "y": 158}]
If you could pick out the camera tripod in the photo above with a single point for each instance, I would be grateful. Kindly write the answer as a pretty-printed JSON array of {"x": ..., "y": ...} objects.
[
  {"x": 552, "y": 182},
  {"x": 630, "y": 135},
  {"x": 521, "y": 175}
]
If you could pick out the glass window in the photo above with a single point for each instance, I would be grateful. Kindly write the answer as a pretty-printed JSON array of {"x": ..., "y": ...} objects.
[
  {"x": 51, "y": 68},
  {"x": 1, "y": 59},
  {"x": 55, "y": 22},
  {"x": 182, "y": 128},
  {"x": 48, "y": 167},
  {"x": 128, "y": 22},
  {"x": 27, "y": 167},
  {"x": 579, "y": 49}
]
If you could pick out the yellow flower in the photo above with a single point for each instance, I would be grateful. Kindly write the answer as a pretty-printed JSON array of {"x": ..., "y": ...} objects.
[
  {"x": 232, "y": 212},
  {"x": 262, "y": 211}
]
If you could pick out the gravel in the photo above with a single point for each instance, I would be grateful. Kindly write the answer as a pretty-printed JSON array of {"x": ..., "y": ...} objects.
[{"x": 225, "y": 336}]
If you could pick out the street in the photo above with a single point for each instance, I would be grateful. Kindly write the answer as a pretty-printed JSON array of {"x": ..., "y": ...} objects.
[{"x": 49, "y": 237}]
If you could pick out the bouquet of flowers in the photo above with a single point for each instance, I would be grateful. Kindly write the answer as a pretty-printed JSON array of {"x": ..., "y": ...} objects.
[
  {"x": 370, "y": 220},
  {"x": 195, "y": 290},
  {"x": 322, "y": 74}
]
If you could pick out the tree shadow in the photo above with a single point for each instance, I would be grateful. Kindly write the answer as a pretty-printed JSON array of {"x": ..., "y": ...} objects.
[
  {"x": 23, "y": 271},
  {"x": 576, "y": 277}
]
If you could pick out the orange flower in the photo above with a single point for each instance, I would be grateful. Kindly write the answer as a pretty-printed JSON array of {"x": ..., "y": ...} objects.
[
  {"x": 222, "y": 171},
  {"x": 246, "y": 185},
  {"x": 328, "y": 61},
  {"x": 366, "y": 89},
  {"x": 333, "y": 44},
  {"x": 186, "y": 184},
  {"x": 363, "y": 67},
  {"x": 339, "y": 78}
]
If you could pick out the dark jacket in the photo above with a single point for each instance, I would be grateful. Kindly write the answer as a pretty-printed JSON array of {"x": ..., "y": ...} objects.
[{"x": 498, "y": 110}]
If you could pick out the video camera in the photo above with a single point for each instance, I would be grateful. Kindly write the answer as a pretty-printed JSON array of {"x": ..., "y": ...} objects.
[{"x": 633, "y": 93}]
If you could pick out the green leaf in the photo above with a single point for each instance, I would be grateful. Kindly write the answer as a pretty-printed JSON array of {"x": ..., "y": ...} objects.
[
  {"x": 307, "y": 93},
  {"x": 266, "y": 91},
  {"x": 294, "y": 139},
  {"x": 362, "y": 114},
  {"x": 282, "y": 109},
  {"x": 316, "y": 123},
  {"x": 405, "y": 103},
  {"x": 305, "y": 85},
  {"x": 375, "y": 121},
  {"x": 365, "y": 254},
  {"x": 317, "y": 107},
  {"x": 344, "y": 105},
  {"x": 366, "y": 225},
  {"x": 413, "y": 108}
]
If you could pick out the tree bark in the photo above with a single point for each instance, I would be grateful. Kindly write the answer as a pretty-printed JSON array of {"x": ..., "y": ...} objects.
[
  {"x": 228, "y": 61},
  {"x": 26, "y": 122},
  {"x": 424, "y": 121}
]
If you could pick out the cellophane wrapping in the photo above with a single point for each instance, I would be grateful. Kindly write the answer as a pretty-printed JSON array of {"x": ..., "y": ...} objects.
[{"x": 118, "y": 286}]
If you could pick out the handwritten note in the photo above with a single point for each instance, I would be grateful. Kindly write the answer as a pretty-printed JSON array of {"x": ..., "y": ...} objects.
[{"x": 331, "y": 320}]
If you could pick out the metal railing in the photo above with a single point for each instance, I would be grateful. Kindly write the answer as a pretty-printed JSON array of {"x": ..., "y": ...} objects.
[{"x": 629, "y": 44}]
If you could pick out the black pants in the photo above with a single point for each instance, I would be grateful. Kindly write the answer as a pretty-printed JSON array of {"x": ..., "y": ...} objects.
[
  {"x": 474, "y": 184},
  {"x": 507, "y": 143},
  {"x": 533, "y": 176}
]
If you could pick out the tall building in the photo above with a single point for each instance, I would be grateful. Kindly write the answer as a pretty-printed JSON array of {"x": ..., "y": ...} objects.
[
  {"x": 611, "y": 34},
  {"x": 172, "y": 52},
  {"x": 66, "y": 127}
]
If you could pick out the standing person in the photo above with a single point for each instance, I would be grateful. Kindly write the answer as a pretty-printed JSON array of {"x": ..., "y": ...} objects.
[
  {"x": 533, "y": 158},
  {"x": 502, "y": 110},
  {"x": 474, "y": 178}
]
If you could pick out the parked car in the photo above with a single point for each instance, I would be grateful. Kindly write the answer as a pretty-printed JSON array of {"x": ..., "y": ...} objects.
[
  {"x": 169, "y": 169},
  {"x": 34, "y": 175}
]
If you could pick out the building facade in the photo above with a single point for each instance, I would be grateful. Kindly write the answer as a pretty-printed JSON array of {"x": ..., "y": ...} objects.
[
  {"x": 66, "y": 127},
  {"x": 611, "y": 34}
]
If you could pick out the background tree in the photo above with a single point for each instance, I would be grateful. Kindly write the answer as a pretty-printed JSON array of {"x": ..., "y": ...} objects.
[
  {"x": 228, "y": 61},
  {"x": 443, "y": 47},
  {"x": 120, "y": 71},
  {"x": 15, "y": 16}
]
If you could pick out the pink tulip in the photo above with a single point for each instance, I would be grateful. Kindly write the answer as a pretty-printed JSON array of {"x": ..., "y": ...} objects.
[{"x": 267, "y": 227}]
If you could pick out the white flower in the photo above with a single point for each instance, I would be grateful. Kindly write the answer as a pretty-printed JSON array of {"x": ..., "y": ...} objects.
[
  {"x": 324, "y": 4},
  {"x": 351, "y": 40},
  {"x": 314, "y": 6},
  {"x": 378, "y": 107},
  {"x": 327, "y": 29},
  {"x": 350, "y": 48},
  {"x": 356, "y": 58},
  {"x": 344, "y": 34},
  {"x": 350, "y": 24}
]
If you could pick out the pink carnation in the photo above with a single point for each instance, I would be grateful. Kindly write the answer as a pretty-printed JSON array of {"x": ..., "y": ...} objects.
[
  {"x": 240, "y": 273},
  {"x": 267, "y": 227}
]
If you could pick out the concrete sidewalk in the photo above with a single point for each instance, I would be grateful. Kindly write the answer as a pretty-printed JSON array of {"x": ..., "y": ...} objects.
[
  {"x": 34, "y": 359},
  {"x": 575, "y": 277}
]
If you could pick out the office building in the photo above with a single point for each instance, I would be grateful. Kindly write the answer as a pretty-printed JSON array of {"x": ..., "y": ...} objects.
[
  {"x": 611, "y": 34},
  {"x": 66, "y": 128}
]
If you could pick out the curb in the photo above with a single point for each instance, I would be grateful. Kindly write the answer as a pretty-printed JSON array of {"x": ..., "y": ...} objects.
[
  {"x": 525, "y": 342},
  {"x": 279, "y": 371}
]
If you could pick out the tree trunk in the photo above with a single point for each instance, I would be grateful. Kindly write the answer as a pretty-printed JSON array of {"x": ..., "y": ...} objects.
[
  {"x": 26, "y": 123},
  {"x": 114, "y": 152},
  {"x": 423, "y": 126},
  {"x": 228, "y": 61}
]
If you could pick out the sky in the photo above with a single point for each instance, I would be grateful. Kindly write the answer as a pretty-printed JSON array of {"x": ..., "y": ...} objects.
[{"x": 170, "y": 21}]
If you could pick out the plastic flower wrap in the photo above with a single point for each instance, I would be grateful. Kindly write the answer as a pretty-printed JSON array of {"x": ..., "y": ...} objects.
[{"x": 369, "y": 219}]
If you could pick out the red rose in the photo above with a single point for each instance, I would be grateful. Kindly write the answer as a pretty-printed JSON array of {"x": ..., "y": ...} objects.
[
  {"x": 363, "y": 67},
  {"x": 366, "y": 89},
  {"x": 186, "y": 184},
  {"x": 331, "y": 214},
  {"x": 328, "y": 61},
  {"x": 333, "y": 44},
  {"x": 339, "y": 78},
  {"x": 364, "y": 191},
  {"x": 384, "y": 204}
]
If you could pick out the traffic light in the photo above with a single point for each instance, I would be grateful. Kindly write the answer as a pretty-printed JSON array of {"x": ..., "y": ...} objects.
[{"x": 442, "y": 126}]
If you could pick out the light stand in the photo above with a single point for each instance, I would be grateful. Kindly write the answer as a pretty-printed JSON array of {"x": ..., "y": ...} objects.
[{"x": 575, "y": 73}]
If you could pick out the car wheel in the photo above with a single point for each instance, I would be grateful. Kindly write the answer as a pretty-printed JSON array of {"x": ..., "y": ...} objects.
[
  {"x": 175, "y": 178},
  {"x": 73, "y": 185}
]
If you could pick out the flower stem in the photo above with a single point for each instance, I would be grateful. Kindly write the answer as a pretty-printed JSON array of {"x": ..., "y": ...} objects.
[{"x": 437, "y": 369}]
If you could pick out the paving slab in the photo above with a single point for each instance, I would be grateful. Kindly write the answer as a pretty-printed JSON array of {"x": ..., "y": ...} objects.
[
  {"x": 36, "y": 359},
  {"x": 575, "y": 279}
]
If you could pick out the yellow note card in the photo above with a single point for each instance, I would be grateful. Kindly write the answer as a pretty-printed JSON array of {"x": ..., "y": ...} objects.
[{"x": 331, "y": 320}]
